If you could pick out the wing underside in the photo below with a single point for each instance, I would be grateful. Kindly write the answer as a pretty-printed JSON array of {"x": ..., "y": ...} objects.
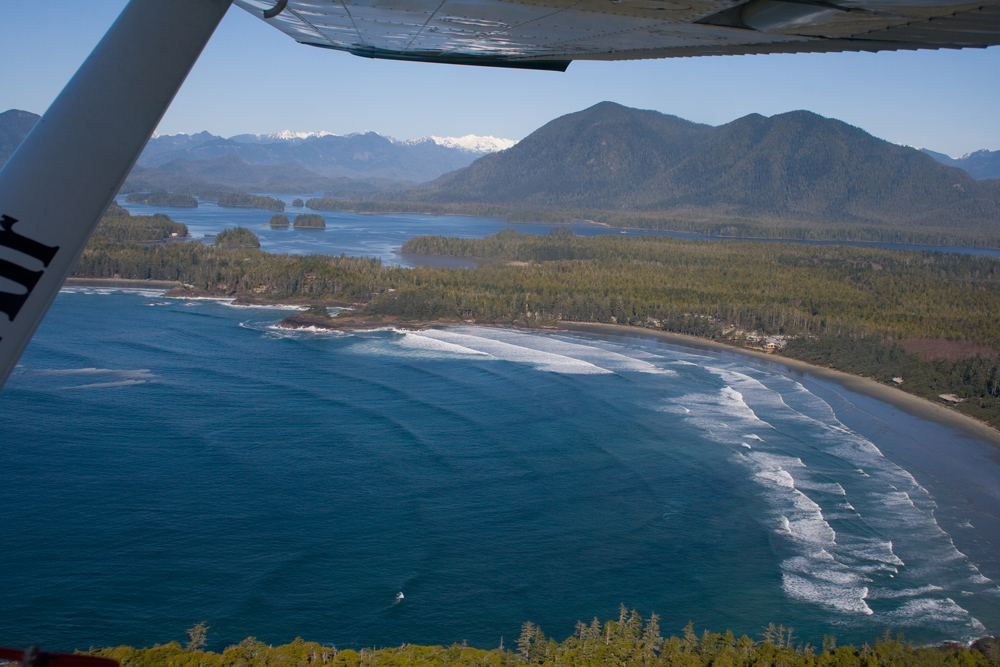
[{"x": 549, "y": 34}]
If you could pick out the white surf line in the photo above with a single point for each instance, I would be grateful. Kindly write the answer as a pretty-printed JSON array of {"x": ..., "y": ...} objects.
[
  {"x": 117, "y": 378},
  {"x": 559, "y": 344},
  {"x": 865, "y": 556},
  {"x": 543, "y": 361},
  {"x": 418, "y": 340}
]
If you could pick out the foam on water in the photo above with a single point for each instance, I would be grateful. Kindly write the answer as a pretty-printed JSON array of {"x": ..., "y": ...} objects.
[
  {"x": 591, "y": 352},
  {"x": 940, "y": 610},
  {"x": 255, "y": 306},
  {"x": 282, "y": 332},
  {"x": 852, "y": 539},
  {"x": 111, "y": 377},
  {"x": 421, "y": 341},
  {"x": 107, "y": 291},
  {"x": 492, "y": 348},
  {"x": 903, "y": 593},
  {"x": 840, "y": 511}
]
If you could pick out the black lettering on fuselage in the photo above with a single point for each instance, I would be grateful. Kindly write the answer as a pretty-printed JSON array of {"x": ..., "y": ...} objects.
[{"x": 10, "y": 304}]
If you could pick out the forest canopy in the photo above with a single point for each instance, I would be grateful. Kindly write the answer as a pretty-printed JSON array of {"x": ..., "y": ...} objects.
[
  {"x": 237, "y": 237},
  {"x": 630, "y": 641},
  {"x": 243, "y": 200},
  {"x": 310, "y": 220}
]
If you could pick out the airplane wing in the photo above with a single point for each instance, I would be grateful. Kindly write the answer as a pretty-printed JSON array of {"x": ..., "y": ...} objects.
[{"x": 549, "y": 34}]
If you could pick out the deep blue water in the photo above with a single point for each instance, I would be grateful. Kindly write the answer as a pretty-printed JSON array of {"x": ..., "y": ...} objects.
[
  {"x": 165, "y": 462},
  {"x": 382, "y": 235}
]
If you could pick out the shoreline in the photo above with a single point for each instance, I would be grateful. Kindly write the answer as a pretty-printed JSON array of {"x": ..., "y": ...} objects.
[
  {"x": 911, "y": 404},
  {"x": 905, "y": 401},
  {"x": 121, "y": 282},
  {"x": 705, "y": 236}
]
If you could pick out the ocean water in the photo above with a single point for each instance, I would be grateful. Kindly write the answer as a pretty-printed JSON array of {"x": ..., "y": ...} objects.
[{"x": 166, "y": 461}]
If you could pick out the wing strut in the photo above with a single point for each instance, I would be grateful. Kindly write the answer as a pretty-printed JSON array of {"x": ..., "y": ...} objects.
[{"x": 57, "y": 184}]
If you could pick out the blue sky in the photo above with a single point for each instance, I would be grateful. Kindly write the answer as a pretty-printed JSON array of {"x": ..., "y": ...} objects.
[{"x": 252, "y": 78}]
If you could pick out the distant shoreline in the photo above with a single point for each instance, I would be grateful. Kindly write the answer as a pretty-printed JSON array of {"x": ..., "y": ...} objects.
[
  {"x": 974, "y": 248},
  {"x": 908, "y": 403},
  {"x": 121, "y": 282}
]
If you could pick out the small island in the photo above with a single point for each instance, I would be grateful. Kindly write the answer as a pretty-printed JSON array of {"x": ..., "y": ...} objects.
[
  {"x": 242, "y": 200},
  {"x": 317, "y": 317},
  {"x": 310, "y": 221},
  {"x": 279, "y": 220},
  {"x": 118, "y": 226}
]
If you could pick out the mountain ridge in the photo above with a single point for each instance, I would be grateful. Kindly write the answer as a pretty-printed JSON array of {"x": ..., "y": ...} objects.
[
  {"x": 982, "y": 164},
  {"x": 361, "y": 155},
  {"x": 795, "y": 165}
]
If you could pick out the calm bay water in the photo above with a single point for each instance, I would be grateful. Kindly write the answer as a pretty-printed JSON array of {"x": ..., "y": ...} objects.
[
  {"x": 166, "y": 462},
  {"x": 382, "y": 235}
]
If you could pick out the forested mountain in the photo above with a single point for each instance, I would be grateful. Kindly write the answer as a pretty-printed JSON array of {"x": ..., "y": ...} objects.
[
  {"x": 228, "y": 171},
  {"x": 208, "y": 178},
  {"x": 368, "y": 157},
  {"x": 356, "y": 156},
  {"x": 14, "y": 126},
  {"x": 796, "y": 165},
  {"x": 173, "y": 143},
  {"x": 980, "y": 164}
]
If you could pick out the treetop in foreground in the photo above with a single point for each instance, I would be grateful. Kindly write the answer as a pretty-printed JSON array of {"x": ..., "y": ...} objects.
[{"x": 628, "y": 642}]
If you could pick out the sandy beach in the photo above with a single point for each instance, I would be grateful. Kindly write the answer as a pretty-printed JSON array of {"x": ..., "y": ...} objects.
[
  {"x": 914, "y": 405},
  {"x": 909, "y": 403}
]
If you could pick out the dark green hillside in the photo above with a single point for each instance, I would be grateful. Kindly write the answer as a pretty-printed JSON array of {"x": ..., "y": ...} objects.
[
  {"x": 243, "y": 200},
  {"x": 231, "y": 171},
  {"x": 598, "y": 157},
  {"x": 236, "y": 238},
  {"x": 14, "y": 126},
  {"x": 796, "y": 168},
  {"x": 117, "y": 226},
  {"x": 310, "y": 220},
  {"x": 804, "y": 165},
  {"x": 981, "y": 164}
]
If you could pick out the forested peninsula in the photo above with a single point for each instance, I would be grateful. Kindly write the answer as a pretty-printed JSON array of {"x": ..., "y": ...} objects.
[
  {"x": 923, "y": 321},
  {"x": 628, "y": 642}
]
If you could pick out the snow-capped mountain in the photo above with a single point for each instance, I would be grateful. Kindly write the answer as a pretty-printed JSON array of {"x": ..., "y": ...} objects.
[
  {"x": 284, "y": 135},
  {"x": 981, "y": 164},
  {"x": 473, "y": 143},
  {"x": 470, "y": 143},
  {"x": 363, "y": 155}
]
